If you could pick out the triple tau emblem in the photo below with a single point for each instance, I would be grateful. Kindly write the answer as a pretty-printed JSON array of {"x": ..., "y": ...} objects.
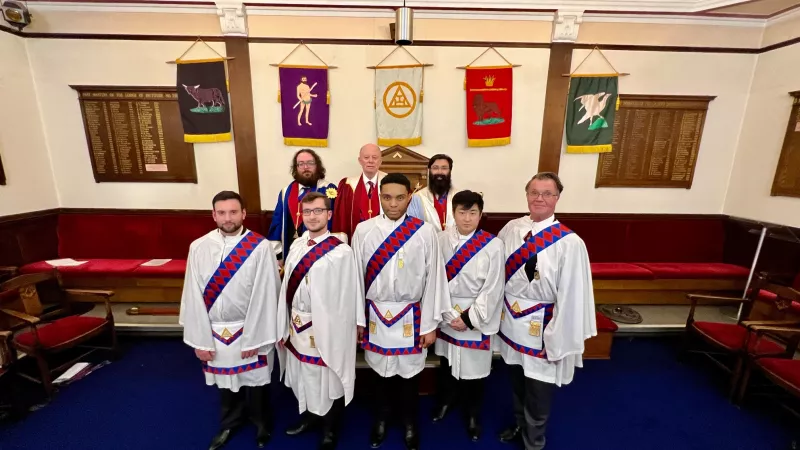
[
  {"x": 388, "y": 315},
  {"x": 399, "y": 99},
  {"x": 515, "y": 307},
  {"x": 226, "y": 334}
]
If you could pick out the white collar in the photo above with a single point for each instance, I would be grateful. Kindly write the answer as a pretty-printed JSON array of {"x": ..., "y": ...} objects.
[
  {"x": 539, "y": 226},
  {"x": 367, "y": 180},
  {"x": 394, "y": 223},
  {"x": 318, "y": 239},
  {"x": 461, "y": 237}
]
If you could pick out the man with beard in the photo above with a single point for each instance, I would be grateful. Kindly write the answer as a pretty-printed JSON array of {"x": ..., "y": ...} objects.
[
  {"x": 317, "y": 322},
  {"x": 431, "y": 203},
  {"x": 548, "y": 310},
  {"x": 358, "y": 196},
  {"x": 287, "y": 221},
  {"x": 405, "y": 289},
  {"x": 228, "y": 306}
]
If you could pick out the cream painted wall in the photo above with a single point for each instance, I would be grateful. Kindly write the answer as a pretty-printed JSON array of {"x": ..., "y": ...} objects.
[
  {"x": 495, "y": 171},
  {"x": 57, "y": 64},
  {"x": 761, "y": 139},
  {"x": 23, "y": 148},
  {"x": 726, "y": 76}
]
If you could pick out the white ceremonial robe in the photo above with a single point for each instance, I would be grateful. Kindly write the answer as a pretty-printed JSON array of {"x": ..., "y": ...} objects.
[
  {"x": 565, "y": 279},
  {"x": 420, "y": 279},
  {"x": 247, "y": 303},
  {"x": 479, "y": 287},
  {"x": 428, "y": 202},
  {"x": 328, "y": 298}
]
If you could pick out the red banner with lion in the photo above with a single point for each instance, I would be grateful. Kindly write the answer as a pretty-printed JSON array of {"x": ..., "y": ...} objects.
[{"x": 489, "y": 98}]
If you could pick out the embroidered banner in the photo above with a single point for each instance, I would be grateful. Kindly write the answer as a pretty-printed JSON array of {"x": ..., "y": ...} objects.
[
  {"x": 203, "y": 100},
  {"x": 398, "y": 105},
  {"x": 305, "y": 105},
  {"x": 229, "y": 266},
  {"x": 466, "y": 252},
  {"x": 388, "y": 248},
  {"x": 591, "y": 107},
  {"x": 536, "y": 244},
  {"x": 489, "y": 99},
  {"x": 305, "y": 263}
]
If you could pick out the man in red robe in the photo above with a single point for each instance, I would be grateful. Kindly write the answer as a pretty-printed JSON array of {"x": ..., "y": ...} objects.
[{"x": 358, "y": 196}]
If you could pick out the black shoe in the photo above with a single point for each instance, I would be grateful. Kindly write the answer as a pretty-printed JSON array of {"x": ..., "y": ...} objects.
[
  {"x": 262, "y": 437},
  {"x": 300, "y": 427},
  {"x": 411, "y": 437},
  {"x": 378, "y": 433},
  {"x": 473, "y": 428},
  {"x": 510, "y": 434},
  {"x": 328, "y": 442},
  {"x": 440, "y": 412},
  {"x": 220, "y": 439}
]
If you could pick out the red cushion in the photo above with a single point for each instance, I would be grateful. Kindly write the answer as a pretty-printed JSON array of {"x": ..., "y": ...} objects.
[
  {"x": 61, "y": 330},
  {"x": 173, "y": 269},
  {"x": 94, "y": 267},
  {"x": 604, "y": 323},
  {"x": 620, "y": 271},
  {"x": 786, "y": 369},
  {"x": 695, "y": 270},
  {"x": 731, "y": 336}
]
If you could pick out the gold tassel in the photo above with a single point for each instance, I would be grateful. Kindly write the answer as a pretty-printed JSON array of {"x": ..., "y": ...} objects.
[
  {"x": 618, "y": 102},
  {"x": 279, "y": 95},
  {"x": 374, "y": 103},
  {"x": 328, "y": 98},
  {"x": 465, "y": 83},
  {"x": 421, "y": 95}
]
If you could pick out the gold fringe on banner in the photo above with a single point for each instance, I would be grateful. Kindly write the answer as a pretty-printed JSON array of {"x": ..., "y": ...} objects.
[
  {"x": 421, "y": 95},
  {"x": 279, "y": 95},
  {"x": 386, "y": 142},
  {"x": 618, "y": 102},
  {"x": 495, "y": 142},
  {"x": 606, "y": 148},
  {"x": 328, "y": 97},
  {"x": 207, "y": 138},
  {"x": 305, "y": 142}
]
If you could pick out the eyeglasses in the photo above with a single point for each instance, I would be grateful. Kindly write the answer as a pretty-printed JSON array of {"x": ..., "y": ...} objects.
[
  {"x": 307, "y": 164},
  {"x": 545, "y": 195},
  {"x": 316, "y": 211}
]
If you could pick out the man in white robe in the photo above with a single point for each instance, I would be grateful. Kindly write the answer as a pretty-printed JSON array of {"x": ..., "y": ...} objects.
[
  {"x": 317, "y": 322},
  {"x": 431, "y": 203},
  {"x": 228, "y": 306},
  {"x": 405, "y": 288},
  {"x": 475, "y": 266},
  {"x": 548, "y": 310}
]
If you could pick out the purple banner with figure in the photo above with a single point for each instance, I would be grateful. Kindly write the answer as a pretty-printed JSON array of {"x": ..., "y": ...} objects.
[{"x": 305, "y": 105}]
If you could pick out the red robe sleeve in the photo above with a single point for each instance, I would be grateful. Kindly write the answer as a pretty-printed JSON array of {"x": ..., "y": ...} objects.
[{"x": 344, "y": 209}]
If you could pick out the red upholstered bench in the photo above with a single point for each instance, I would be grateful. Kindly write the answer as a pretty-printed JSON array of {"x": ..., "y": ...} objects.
[
  {"x": 91, "y": 268},
  {"x": 695, "y": 270},
  {"x": 173, "y": 268},
  {"x": 620, "y": 271}
]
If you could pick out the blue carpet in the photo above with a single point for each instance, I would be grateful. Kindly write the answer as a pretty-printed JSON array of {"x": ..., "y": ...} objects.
[{"x": 155, "y": 398}]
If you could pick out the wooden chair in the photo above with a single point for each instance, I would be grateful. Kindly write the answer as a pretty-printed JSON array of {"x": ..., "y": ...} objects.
[
  {"x": 8, "y": 359},
  {"x": 781, "y": 369},
  {"x": 732, "y": 340},
  {"x": 59, "y": 329}
]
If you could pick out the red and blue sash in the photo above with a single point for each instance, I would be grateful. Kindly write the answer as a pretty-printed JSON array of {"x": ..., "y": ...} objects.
[
  {"x": 464, "y": 254},
  {"x": 305, "y": 263},
  {"x": 536, "y": 244},
  {"x": 229, "y": 266},
  {"x": 228, "y": 341},
  {"x": 388, "y": 248},
  {"x": 548, "y": 315},
  {"x": 262, "y": 362},
  {"x": 483, "y": 344},
  {"x": 315, "y": 360}
]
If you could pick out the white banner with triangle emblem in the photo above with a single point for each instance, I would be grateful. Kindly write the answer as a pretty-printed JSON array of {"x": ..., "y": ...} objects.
[{"x": 398, "y": 105}]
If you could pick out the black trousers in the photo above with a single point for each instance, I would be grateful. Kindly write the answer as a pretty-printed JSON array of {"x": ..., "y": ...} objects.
[
  {"x": 332, "y": 420},
  {"x": 402, "y": 393},
  {"x": 451, "y": 391},
  {"x": 250, "y": 402},
  {"x": 532, "y": 400}
]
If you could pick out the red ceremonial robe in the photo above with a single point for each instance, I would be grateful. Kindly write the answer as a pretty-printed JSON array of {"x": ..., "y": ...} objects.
[{"x": 353, "y": 206}]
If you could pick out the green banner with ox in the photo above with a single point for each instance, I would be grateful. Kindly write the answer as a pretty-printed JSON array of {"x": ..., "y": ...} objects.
[{"x": 591, "y": 107}]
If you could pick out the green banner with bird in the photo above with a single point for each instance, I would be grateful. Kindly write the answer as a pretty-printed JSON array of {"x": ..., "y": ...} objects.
[{"x": 591, "y": 108}]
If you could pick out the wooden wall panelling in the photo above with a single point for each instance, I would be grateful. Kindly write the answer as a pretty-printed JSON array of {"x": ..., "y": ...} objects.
[
  {"x": 787, "y": 173},
  {"x": 29, "y": 237},
  {"x": 555, "y": 105},
  {"x": 243, "y": 119}
]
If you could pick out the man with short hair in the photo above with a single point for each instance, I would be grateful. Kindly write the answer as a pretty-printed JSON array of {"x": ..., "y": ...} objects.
[
  {"x": 430, "y": 202},
  {"x": 548, "y": 310},
  {"x": 228, "y": 306},
  {"x": 475, "y": 273},
  {"x": 398, "y": 257},
  {"x": 317, "y": 322},
  {"x": 358, "y": 196},
  {"x": 287, "y": 222}
]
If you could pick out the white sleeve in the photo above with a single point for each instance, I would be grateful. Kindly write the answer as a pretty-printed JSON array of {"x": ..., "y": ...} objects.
[
  {"x": 485, "y": 312},
  {"x": 193, "y": 315},
  {"x": 436, "y": 295},
  {"x": 260, "y": 325},
  {"x": 573, "y": 316},
  {"x": 358, "y": 260}
]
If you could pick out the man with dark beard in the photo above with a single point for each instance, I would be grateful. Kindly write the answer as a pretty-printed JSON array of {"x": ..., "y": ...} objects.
[
  {"x": 431, "y": 203},
  {"x": 287, "y": 221}
]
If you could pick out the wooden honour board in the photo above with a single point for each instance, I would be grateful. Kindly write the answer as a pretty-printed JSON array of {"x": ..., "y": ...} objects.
[
  {"x": 135, "y": 134},
  {"x": 787, "y": 174},
  {"x": 656, "y": 141}
]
